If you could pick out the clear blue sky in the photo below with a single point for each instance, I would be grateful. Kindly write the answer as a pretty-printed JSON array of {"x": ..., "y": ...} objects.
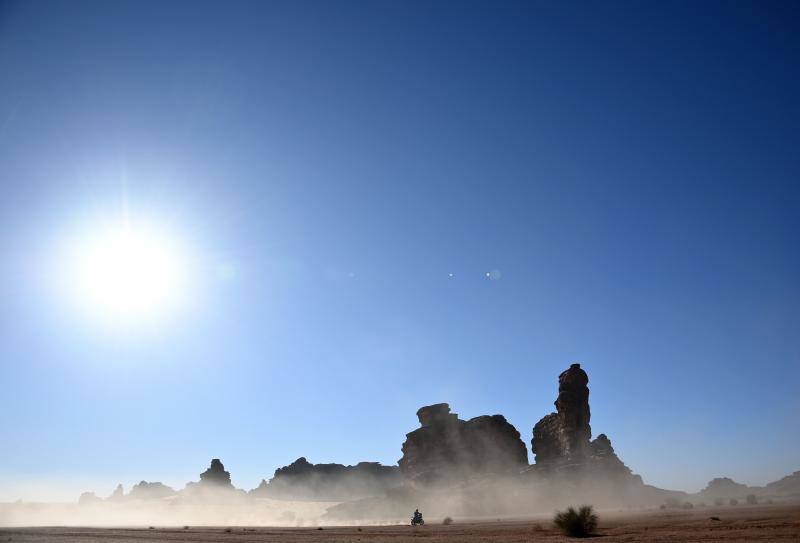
[{"x": 630, "y": 170}]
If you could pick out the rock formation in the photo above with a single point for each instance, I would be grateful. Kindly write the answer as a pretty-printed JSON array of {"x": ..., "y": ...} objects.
[
  {"x": 216, "y": 476},
  {"x": 724, "y": 487},
  {"x": 150, "y": 491},
  {"x": 447, "y": 448},
  {"x": 89, "y": 498},
  {"x": 214, "y": 487},
  {"x": 562, "y": 440},
  {"x": 336, "y": 482},
  {"x": 118, "y": 494},
  {"x": 565, "y": 434},
  {"x": 787, "y": 487}
]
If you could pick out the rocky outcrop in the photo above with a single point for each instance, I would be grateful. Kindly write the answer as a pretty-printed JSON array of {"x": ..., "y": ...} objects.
[
  {"x": 214, "y": 487},
  {"x": 89, "y": 498},
  {"x": 150, "y": 491},
  {"x": 216, "y": 476},
  {"x": 447, "y": 448},
  {"x": 336, "y": 482},
  {"x": 787, "y": 487},
  {"x": 565, "y": 434},
  {"x": 118, "y": 494},
  {"x": 724, "y": 487},
  {"x": 562, "y": 440}
]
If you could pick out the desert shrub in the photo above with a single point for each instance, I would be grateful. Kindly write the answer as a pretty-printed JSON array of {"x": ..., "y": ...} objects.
[
  {"x": 733, "y": 501},
  {"x": 580, "y": 522},
  {"x": 719, "y": 501},
  {"x": 751, "y": 499},
  {"x": 447, "y": 521},
  {"x": 687, "y": 505}
]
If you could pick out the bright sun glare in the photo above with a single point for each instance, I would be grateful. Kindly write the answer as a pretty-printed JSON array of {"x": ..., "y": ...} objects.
[{"x": 126, "y": 272}]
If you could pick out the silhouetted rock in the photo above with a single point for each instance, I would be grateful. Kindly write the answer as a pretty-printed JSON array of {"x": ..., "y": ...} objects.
[
  {"x": 562, "y": 440},
  {"x": 89, "y": 498},
  {"x": 787, "y": 487},
  {"x": 565, "y": 435},
  {"x": 216, "y": 476},
  {"x": 447, "y": 448},
  {"x": 724, "y": 487},
  {"x": 150, "y": 491},
  {"x": 304, "y": 480},
  {"x": 118, "y": 494},
  {"x": 436, "y": 414},
  {"x": 214, "y": 487}
]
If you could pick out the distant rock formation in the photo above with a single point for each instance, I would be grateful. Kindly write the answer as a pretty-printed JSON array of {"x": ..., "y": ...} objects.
[
  {"x": 787, "y": 487},
  {"x": 447, "y": 448},
  {"x": 214, "y": 487},
  {"x": 216, "y": 476},
  {"x": 336, "y": 482},
  {"x": 562, "y": 440},
  {"x": 118, "y": 494},
  {"x": 150, "y": 491},
  {"x": 724, "y": 489},
  {"x": 89, "y": 498}
]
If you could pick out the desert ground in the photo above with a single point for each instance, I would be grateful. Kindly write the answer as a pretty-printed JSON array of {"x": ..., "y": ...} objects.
[{"x": 743, "y": 523}]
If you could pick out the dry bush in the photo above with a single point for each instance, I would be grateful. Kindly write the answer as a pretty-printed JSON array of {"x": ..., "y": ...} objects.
[
  {"x": 751, "y": 499},
  {"x": 447, "y": 521},
  {"x": 581, "y": 522}
]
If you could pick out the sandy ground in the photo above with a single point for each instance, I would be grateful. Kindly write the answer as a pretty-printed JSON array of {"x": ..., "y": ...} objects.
[{"x": 742, "y": 523}]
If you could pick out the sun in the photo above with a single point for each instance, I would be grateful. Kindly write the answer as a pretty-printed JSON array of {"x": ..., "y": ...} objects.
[{"x": 127, "y": 272}]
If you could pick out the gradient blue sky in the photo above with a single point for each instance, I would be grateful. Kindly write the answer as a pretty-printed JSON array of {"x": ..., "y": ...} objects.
[{"x": 630, "y": 169}]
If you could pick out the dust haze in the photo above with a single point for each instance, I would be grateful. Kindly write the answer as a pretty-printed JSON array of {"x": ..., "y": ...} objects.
[{"x": 464, "y": 469}]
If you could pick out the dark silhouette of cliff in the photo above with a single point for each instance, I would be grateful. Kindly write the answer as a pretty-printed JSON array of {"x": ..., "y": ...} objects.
[
  {"x": 562, "y": 441},
  {"x": 446, "y": 448},
  {"x": 336, "y": 482}
]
